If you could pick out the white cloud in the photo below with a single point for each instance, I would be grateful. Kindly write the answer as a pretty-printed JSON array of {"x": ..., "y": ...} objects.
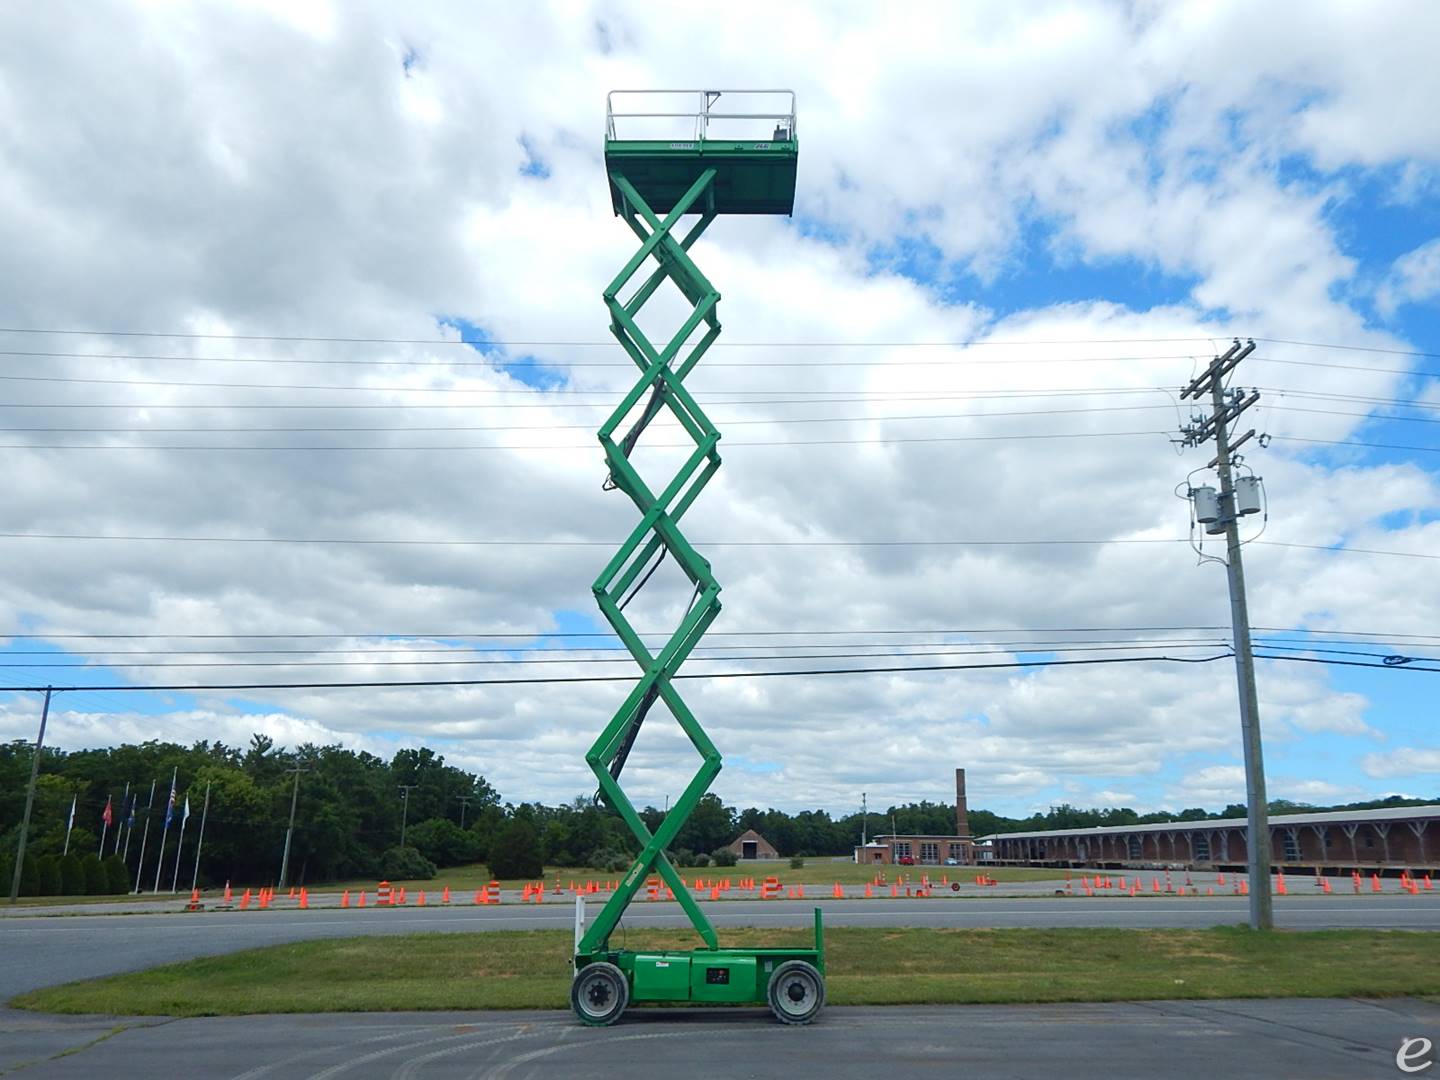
[
  {"x": 1414, "y": 277},
  {"x": 1402, "y": 761},
  {"x": 176, "y": 183}
]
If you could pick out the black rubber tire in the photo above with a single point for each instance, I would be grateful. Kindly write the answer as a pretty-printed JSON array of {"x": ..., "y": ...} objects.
[
  {"x": 796, "y": 992},
  {"x": 599, "y": 994}
]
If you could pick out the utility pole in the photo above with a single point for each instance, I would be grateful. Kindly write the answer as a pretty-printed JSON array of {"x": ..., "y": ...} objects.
[
  {"x": 864, "y": 820},
  {"x": 1225, "y": 407},
  {"x": 294, "y": 798},
  {"x": 464, "y": 801},
  {"x": 29, "y": 800},
  {"x": 405, "y": 790}
]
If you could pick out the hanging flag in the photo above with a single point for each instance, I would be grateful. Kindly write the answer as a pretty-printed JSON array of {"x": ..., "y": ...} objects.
[
  {"x": 130, "y": 822},
  {"x": 71, "y": 823},
  {"x": 186, "y": 815},
  {"x": 108, "y": 817},
  {"x": 170, "y": 806}
]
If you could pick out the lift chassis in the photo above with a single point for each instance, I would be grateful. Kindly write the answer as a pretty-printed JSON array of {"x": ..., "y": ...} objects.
[{"x": 705, "y": 176}]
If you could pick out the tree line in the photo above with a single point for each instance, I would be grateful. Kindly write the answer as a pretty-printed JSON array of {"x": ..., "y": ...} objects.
[{"x": 352, "y": 808}]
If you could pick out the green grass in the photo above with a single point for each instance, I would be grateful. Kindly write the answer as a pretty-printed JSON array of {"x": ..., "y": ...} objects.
[
  {"x": 530, "y": 969},
  {"x": 815, "y": 872}
]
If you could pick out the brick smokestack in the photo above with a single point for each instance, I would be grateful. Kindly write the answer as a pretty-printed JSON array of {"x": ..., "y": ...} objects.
[{"x": 962, "y": 810}]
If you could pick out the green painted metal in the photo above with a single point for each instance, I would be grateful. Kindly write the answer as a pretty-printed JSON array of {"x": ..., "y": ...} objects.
[
  {"x": 646, "y": 181},
  {"x": 751, "y": 177}
]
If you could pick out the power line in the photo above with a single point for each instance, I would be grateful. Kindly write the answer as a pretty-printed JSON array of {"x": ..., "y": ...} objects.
[
  {"x": 814, "y": 397},
  {"x": 590, "y": 447},
  {"x": 1354, "y": 442},
  {"x": 566, "y": 679},
  {"x": 338, "y": 340},
  {"x": 411, "y": 542},
  {"x": 569, "y": 679},
  {"x": 1043, "y": 647},
  {"x": 491, "y": 364},
  {"x": 489, "y": 635},
  {"x": 542, "y": 343},
  {"x": 582, "y": 427},
  {"x": 777, "y": 420}
]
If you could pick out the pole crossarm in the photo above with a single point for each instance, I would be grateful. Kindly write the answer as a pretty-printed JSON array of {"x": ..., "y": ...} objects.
[{"x": 657, "y": 536}]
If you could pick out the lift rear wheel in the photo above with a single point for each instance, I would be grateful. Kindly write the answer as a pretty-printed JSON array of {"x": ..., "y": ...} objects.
[
  {"x": 599, "y": 994},
  {"x": 796, "y": 992}
]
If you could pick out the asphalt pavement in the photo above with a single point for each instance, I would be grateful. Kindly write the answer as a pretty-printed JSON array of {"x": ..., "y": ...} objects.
[
  {"x": 40, "y": 950},
  {"x": 1319, "y": 1039}
]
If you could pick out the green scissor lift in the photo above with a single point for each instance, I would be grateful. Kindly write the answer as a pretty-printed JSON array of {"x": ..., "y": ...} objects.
[{"x": 696, "y": 174}]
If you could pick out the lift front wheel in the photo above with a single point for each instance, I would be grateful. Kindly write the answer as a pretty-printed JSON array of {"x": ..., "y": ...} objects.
[
  {"x": 796, "y": 992},
  {"x": 599, "y": 994}
]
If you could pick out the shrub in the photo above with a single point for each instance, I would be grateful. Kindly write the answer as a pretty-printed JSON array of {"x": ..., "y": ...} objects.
[
  {"x": 405, "y": 864},
  {"x": 682, "y": 857},
  {"x": 97, "y": 883},
  {"x": 50, "y": 875},
  {"x": 72, "y": 876},
  {"x": 30, "y": 877},
  {"x": 118, "y": 875},
  {"x": 797, "y": 861},
  {"x": 443, "y": 842},
  {"x": 515, "y": 852},
  {"x": 610, "y": 860},
  {"x": 724, "y": 857},
  {"x": 700, "y": 859}
]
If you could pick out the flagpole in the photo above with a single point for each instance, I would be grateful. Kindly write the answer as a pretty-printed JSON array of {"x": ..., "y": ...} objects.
[
  {"x": 140, "y": 866},
  {"x": 130, "y": 827},
  {"x": 68, "y": 826},
  {"x": 200, "y": 841},
  {"x": 169, "y": 812},
  {"x": 105, "y": 824},
  {"x": 180, "y": 843},
  {"x": 121, "y": 827}
]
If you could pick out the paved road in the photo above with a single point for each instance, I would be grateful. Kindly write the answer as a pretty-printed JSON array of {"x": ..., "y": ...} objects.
[
  {"x": 1318, "y": 1038},
  {"x": 43, "y": 950}
]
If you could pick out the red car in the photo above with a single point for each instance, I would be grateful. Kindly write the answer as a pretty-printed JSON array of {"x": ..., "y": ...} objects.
[{"x": 906, "y": 860}]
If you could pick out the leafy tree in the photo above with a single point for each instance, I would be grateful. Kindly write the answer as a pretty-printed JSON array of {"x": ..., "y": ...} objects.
[
  {"x": 405, "y": 864},
  {"x": 30, "y": 876},
  {"x": 50, "y": 875},
  {"x": 443, "y": 842},
  {"x": 97, "y": 882},
  {"x": 516, "y": 851},
  {"x": 117, "y": 874},
  {"x": 72, "y": 875}
]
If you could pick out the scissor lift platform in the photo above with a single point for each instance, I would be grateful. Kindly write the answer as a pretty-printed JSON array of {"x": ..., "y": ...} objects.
[
  {"x": 667, "y": 165},
  {"x": 752, "y": 175}
]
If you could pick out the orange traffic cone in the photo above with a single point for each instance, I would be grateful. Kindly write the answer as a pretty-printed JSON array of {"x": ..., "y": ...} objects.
[
  {"x": 420, "y": 898},
  {"x": 304, "y": 898},
  {"x": 445, "y": 896},
  {"x": 245, "y": 900},
  {"x": 1280, "y": 884},
  {"x": 227, "y": 892},
  {"x": 1428, "y": 886},
  {"x": 838, "y": 892},
  {"x": 1325, "y": 885},
  {"x": 345, "y": 898},
  {"x": 869, "y": 891},
  {"x": 362, "y": 898},
  {"x": 1374, "y": 882}
]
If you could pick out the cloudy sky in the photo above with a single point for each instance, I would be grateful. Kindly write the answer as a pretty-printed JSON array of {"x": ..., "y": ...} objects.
[{"x": 304, "y": 349}]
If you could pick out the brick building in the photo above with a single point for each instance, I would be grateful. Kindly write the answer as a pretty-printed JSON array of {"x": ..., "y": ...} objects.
[
  {"x": 925, "y": 850},
  {"x": 751, "y": 845},
  {"x": 1394, "y": 837}
]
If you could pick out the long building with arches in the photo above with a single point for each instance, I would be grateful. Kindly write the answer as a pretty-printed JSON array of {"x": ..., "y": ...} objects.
[{"x": 1393, "y": 838}]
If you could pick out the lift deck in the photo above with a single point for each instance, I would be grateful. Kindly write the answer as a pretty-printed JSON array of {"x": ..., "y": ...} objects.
[{"x": 676, "y": 154}]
